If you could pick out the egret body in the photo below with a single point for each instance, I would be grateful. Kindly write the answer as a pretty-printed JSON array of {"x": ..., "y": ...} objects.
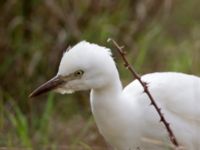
[{"x": 124, "y": 116}]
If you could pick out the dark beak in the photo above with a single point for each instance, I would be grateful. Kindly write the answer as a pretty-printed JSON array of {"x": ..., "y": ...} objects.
[{"x": 48, "y": 86}]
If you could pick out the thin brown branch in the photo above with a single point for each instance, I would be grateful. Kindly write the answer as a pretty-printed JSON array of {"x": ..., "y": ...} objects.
[{"x": 146, "y": 90}]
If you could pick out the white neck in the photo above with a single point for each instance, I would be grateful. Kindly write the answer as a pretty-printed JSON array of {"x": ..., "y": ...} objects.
[
  {"x": 107, "y": 107},
  {"x": 105, "y": 97}
]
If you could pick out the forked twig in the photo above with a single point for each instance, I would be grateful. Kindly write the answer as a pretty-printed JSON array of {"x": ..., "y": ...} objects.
[{"x": 146, "y": 90}]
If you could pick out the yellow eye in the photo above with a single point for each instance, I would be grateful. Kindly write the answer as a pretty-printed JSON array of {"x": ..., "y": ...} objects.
[{"x": 78, "y": 73}]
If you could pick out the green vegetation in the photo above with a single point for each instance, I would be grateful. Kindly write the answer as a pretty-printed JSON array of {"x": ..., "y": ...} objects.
[{"x": 158, "y": 36}]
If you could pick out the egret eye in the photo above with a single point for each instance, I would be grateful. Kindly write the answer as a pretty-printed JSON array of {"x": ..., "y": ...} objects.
[{"x": 78, "y": 73}]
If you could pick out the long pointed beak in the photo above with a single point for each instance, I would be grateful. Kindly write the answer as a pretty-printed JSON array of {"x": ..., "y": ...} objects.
[{"x": 48, "y": 86}]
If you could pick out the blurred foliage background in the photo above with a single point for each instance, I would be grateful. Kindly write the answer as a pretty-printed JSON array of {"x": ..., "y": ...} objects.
[{"x": 159, "y": 35}]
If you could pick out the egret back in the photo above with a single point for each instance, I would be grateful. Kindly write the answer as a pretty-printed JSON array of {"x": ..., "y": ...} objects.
[{"x": 178, "y": 95}]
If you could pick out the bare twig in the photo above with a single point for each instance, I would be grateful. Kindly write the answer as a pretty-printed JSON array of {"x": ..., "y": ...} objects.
[{"x": 146, "y": 90}]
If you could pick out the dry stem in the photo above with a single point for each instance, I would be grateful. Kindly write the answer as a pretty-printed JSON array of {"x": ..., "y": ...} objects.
[{"x": 146, "y": 90}]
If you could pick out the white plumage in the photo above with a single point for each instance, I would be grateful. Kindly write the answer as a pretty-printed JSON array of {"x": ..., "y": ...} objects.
[{"x": 124, "y": 116}]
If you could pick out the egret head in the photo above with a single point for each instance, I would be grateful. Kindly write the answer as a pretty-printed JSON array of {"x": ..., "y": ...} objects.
[{"x": 85, "y": 66}]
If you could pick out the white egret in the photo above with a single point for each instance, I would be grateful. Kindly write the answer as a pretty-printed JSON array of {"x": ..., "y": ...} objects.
[{"x": 124, "y": 116}]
